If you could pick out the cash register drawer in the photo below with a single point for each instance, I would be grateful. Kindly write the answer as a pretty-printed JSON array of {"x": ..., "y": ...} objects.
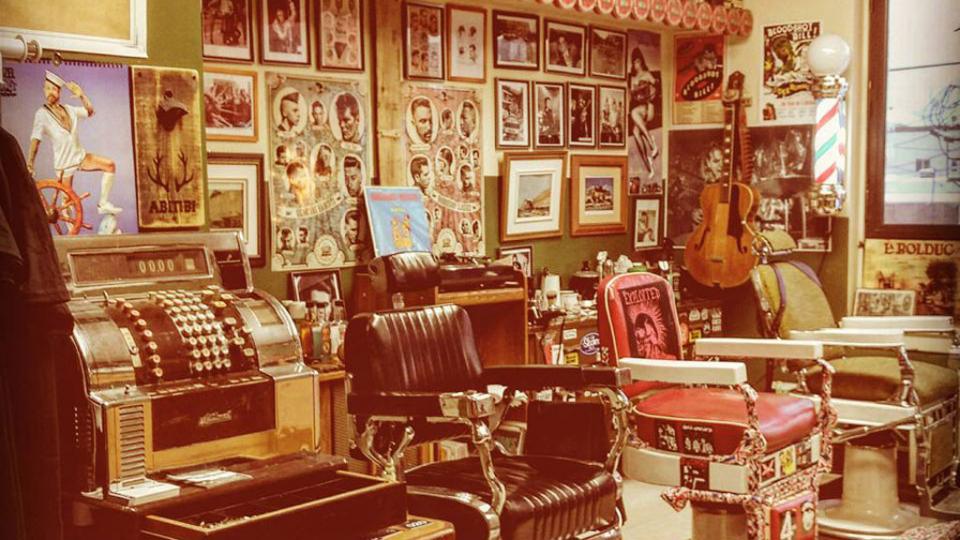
[{"x": 337, "y": 507}]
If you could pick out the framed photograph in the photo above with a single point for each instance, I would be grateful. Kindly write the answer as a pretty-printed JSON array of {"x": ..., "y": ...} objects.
[
  {"x": 422, "y": 41},
  {"x": 118, "y": 28},
  {"x": 885, "y": 302},
  {"x": 582, "y": 110},
  {"x": 550, "y": 127},
  {"x": 320, "y": 286},
  {"x": 612, "y": 120},
  {"x": 513, "y": 114},
  {"x": 230, "y": 104},
  {"x": 647, "y": 219},
  {"x": 531, "y": 190},
  {"x": 340, "y": 43},
  {"x": 520, "y": 256},
  {"x": 516, "y": 40},
  {"x": 235, "y": 188},
  {"x": 227, "y": 31},
  {"x": 565, "y": 48},
  {"x": 598, "y": 203},
  {"x": 466, "y": 49},
  {"x": 608, "y": 53},
  {"x": 284, "y": 32}
]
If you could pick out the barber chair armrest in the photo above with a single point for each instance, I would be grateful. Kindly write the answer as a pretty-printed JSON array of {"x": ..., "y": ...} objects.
[
  {"x": 853, "y": 337},
  {"x": 686, "y": 371},
  {"x": 469, "y": 405},
  {"x": 567, "y": 377},
  {"x": 913, "y": 323},
  {"x": 758, "y": 348}
]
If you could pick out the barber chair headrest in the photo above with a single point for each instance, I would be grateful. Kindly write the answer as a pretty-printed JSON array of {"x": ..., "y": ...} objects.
[
  {"x": 775, "y": 243},
  {"x": 405, "y": 272}
]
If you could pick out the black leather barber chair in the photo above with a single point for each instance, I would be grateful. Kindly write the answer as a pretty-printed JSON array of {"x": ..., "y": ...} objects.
[{"x": 416, "y": 378}]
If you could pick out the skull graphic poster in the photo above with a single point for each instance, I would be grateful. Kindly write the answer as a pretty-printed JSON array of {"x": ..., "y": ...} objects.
[
  {"x": 318, "y": 165},
  {"x": 168, "y": 123},
  {"x": 442, "y": 156}
]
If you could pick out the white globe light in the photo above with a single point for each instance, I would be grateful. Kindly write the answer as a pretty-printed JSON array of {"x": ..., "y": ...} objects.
[{"x": 829, "y": 54}]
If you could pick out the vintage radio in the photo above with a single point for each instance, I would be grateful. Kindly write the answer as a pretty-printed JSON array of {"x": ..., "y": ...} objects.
[{"x": 188, "y": 405}]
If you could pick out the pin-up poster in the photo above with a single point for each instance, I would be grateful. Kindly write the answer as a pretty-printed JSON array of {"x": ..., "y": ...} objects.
[
  {"x": 78, "y": 117},
  {"x": 645, "y": 136},
  {"x": 785, "y": 95},
  {"x": 698, "y": 87},
  {"x": 928, "y": 267},
  {"x": 319, "y": 149},
  {"x": 168, "y": 125},
  {"x": 398, "y": 219},
  {"x": 442, "y": 156}
]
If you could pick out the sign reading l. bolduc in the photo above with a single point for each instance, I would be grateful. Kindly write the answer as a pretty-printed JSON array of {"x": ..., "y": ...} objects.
[{"x": 929, "y": 267}]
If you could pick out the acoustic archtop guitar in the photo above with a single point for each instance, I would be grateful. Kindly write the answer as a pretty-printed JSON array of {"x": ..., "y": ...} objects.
[{"x": 720, "y": 253}]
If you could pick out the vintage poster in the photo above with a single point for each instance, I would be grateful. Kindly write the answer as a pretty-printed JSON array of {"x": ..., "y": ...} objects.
[
  {"x": 399, "y": 221},
  {"x": 318, "y": 167},
  {"x": 648, "y": 309},
  {"x": 168, "y": 124},
  {"x": 73, "y": 125},
  {"x": 698, "y": 86},
  {"x": 928, "y": 267},
  {"x": 782, "y": 173},
  {"x": 785, "y": 95},
  {"x": 442, "y": 152},
  {"x": 645, "y": 114}
]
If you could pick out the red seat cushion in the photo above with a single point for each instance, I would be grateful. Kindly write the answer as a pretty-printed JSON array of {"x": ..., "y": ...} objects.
[{"x": 703, "y": 421}]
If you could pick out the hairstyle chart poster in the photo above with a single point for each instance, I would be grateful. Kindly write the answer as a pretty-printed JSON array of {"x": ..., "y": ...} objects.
[
  {"x": 105, "y": 136},
  {"x": 785, "y": 94},
  {"x": 319, "y": 145},
  {"x": 442, "y": 156},
  {"x": 645, "y": 114},
  {"x": 698, "y": 86}
]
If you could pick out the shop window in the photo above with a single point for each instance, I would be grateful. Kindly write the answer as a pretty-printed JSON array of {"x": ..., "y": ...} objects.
[{"x": 913, "y": 160}]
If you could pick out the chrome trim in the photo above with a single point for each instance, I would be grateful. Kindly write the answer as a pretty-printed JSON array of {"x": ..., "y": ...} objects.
[
  {"x": 620, "y": 411},
  {"x": 483, "y": 441},
  {"x": 388, "y": 463},
  {"x": 486, "y": 511}
]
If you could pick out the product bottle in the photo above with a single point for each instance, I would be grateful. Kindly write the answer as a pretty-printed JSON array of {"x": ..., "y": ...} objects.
[
  {"x": 298, "y": 311},
  {"x": 338, "y": 329}
]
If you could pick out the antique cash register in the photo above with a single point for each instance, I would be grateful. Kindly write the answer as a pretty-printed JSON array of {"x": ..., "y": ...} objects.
[{"x": 187, "y": 409}]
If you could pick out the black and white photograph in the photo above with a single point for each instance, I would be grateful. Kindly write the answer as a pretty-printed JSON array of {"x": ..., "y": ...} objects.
[
  {"x": 318, "y": 286},
  {"x": 423, "y": 30},
  {"x": 565, "y": 49},
  {"x": 612, "y": 121},
  {"x": 549, "y": 124},
  {"x": 646, "y": 224},
  {"x": 513, "y": 114},
  {"x": 340, "y": 41},
  {"x": 226, "y": 30},
  {"x": 608, "y": 53},
  {"x": 230, "y": 105},
  {"x": 235, "y": 191},
  {"x": 582, "y": 110},
  {"x": 466, "y": 51},
  {"x": 885, "y": 302},
  {"x": 284, "y": 32},
  {"x": 696, "y": 159},
  {"x": 520, "y": 257},
  {"x": 516, "y": 40}
]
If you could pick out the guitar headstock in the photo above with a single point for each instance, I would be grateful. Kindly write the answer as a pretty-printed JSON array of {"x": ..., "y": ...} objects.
[{"x": 734, "y": 87}]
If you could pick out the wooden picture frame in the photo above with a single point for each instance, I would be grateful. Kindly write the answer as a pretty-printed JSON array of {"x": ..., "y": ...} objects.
[
  {"x": 885, "y": 302},
  {"x": 522, "y": 258},
  {"x": 647, "y": 223},
  {"x": 559, "y": 56},
  {"x": 507, "y": 51},
  {"x": 219, "y": 29},
  {"x": 471, "y": 46},
  {"x": 611, "y": 125},
  {"x": 229, "y": 173},
  {"x": 272, "y": 38},
  {"x": 341, "y": 34},
  {"x": 608, "y": 60},
  {"x": 512, "y": 127},
  {"x": 302, "y": 284},
  {"x": 425, "y": 37},
  {"x": 554, "y": 134},
  {"x": 226, "y": 107},
  {"x": 532, "y": 188},
  {"x": 598, "y": 195},
  {"x": 581, "y": 132}
]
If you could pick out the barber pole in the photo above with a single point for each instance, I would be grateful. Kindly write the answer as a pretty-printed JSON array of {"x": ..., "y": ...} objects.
[
  {"x": 623, "y": 9},
  {"x": 641, "y": 8},
  {"x": 658, "y": 10}
]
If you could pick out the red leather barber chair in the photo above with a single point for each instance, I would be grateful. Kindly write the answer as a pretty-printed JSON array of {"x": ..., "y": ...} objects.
[
  {"x": 748, "y": 462},
  {"x": 416, "y": 378}
]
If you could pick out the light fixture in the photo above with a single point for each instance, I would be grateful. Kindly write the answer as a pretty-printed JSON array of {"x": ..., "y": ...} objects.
[{"x": 828, "y": 57}]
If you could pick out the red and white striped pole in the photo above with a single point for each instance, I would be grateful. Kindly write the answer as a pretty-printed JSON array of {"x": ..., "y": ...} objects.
[{"x": 828, "y": 57}]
